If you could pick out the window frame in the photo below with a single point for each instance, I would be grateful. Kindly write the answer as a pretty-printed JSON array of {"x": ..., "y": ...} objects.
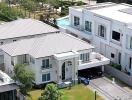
[
  {"x": 100, "y": 31},
  {"x": 130, "y": 63},
  {"x": 88, "y": 26},
  {"x": 115, "y": 39},
  {"x": 84, "y": 57},
  {"x": 76, "y": 21},
  {"x": 44, "y": 64},
  {"x": 46, "y": 77},
  {"x": 130, "y": 46}
]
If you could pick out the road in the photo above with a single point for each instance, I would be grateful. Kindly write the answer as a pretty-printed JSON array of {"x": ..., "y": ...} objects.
[{"x": 109, "y": 90}]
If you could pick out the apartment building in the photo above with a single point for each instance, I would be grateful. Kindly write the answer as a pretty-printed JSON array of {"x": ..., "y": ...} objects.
[{"x": 108, "y": 26}]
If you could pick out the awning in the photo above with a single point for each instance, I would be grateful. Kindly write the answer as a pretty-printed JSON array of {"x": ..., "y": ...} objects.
[{"x": 8, "y": 87}]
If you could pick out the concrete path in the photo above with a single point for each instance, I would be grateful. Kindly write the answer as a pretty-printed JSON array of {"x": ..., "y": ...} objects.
[{"x": 108, "y": 90}]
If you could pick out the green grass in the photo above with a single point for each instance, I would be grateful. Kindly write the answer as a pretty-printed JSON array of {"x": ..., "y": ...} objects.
[{"x": 78, "y": 92}]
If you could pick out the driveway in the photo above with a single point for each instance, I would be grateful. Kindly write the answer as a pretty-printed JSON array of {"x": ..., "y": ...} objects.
[{"x": 109, "y": 90}]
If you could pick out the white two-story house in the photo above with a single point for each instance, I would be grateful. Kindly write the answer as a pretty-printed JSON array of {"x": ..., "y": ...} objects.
[
  {"x": 22, "y": 29},
  {"x": 53, "y": 57},
  {"x": 108, "y": 26}
]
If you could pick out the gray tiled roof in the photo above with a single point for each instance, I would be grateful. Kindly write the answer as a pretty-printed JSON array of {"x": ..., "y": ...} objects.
[
  {"x": 46, "y": 46},
  {"x": 24, "y": 27},
  {"x": 8, "y": 87}
]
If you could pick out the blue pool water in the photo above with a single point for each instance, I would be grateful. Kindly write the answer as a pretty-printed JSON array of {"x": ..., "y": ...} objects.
[{"x": 63, "y": 22}]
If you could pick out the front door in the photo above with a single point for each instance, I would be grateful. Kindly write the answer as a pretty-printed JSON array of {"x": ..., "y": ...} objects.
[{"x": 63, "y": 71}]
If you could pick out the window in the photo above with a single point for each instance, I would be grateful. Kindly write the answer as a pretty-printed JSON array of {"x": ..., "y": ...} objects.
[
  {"x": 102, "y": 31},
  {"x": 45, "y": 63},
  {"x": 25, "y": 58},
  {"x": 12, "y": 61},
  {"x": 130, "y": 63},
  {"x": 32, "y": 60},
  {"x": 88, "y": 26},
  {"x": 69, "y": 63},
  {"x": 76, "y": 21},
  {"x": 130, "y": 42},
  {"x": 14, "y": 40},
  {"x": 116, "y": 36},
  {"x": 1, "y": 43},
  {"x": 45, "y": 77},
  {"x": 119, "y": 58},
  {"x": 112, "y": 55},
  {"x": 84, "y": 57}
]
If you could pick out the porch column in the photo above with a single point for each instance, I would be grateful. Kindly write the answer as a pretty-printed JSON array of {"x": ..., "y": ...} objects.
[
  {"x": 59, "y": 77},
  {"x": 75, "y": 71},
  {"x": 102, "y": 68},
  {"x": 15, "y": 60}
]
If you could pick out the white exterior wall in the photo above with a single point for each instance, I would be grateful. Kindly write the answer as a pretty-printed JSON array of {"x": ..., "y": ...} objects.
[{"x": 108, "y": 45}]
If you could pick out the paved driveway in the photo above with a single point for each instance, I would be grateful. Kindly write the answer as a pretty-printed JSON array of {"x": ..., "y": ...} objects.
[{"x": 109, "y": 90}]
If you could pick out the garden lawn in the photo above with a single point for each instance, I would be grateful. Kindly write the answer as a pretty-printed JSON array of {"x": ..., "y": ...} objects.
[{"x": 78, "y": 92}]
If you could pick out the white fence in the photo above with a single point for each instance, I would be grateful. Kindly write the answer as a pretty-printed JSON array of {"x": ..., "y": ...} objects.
[{"x": 118, "y": 74}]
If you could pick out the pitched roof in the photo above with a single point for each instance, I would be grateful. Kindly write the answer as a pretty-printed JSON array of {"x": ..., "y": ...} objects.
[
  {"x": 24, "y": 27},
  {"x": 46, "y": 46}
]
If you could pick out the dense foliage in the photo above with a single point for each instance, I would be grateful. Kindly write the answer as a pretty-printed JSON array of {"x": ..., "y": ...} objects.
[
  {"x": 24, "y": 77},
  {"x": 51, "y": 92},
  {"x": 8, "y": 14}
]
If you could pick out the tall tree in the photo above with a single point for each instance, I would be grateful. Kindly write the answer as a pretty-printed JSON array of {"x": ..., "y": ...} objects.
[
  {"x": 24, "y": 77},
  {"x": 51, "y": 92}
]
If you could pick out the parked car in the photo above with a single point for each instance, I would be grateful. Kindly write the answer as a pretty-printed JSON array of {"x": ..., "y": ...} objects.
[{"x": 84, "y": 80}]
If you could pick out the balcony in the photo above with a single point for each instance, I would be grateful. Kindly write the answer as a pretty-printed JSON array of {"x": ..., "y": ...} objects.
[
  {"x": 96, "y": 59},
  {"x": 45, "y": 68},
  {"x": 79, "y": 32}
]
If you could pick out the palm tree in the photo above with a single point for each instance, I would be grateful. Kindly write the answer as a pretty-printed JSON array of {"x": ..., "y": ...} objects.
[{"x": 51, "y": 92}]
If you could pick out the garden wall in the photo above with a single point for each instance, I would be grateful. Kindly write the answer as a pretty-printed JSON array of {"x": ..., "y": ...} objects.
[{"x": 118, "y": 74}]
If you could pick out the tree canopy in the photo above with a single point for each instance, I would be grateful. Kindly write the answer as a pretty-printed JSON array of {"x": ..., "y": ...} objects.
[
  {"x": 8, "y": 14},
  {"x": 51, "y": 92},
  {"x": 24, "y": 77}
]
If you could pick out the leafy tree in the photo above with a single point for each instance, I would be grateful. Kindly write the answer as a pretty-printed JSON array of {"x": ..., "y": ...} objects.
[
  {"x": 51, "y": 92},
  {"x": 24, "y": 77},
  {"x": 7, "y": 13}
]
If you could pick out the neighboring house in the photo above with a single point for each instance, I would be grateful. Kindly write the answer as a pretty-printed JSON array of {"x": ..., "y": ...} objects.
[
  {"x": 108, "y": 26},
  {"x": 53, "y": 57},
  {"x": 23, "y": 29},
  {"x": 7, "y": 87}
]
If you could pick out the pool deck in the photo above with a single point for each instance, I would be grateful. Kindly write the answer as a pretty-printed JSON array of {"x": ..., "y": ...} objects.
[{"x": 62, "y": 17}]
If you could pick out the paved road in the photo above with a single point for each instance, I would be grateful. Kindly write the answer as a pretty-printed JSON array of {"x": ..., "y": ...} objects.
[{"x": 109, "y": 90}]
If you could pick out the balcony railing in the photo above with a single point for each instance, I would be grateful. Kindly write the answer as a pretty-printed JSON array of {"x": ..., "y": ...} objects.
[{"x": 47, "y": 67}]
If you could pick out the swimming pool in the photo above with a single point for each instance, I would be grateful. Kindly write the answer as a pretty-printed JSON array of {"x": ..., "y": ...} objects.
[{"x": 63, "y": 22}]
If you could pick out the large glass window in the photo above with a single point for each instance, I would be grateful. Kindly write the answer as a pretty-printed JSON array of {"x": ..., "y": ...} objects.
[
  {"x": 130, "y": 42},
  {"x": 46, "y": 77},
  {"x": 76, "y": 21},
  {"x": 102, "y": 31},
  {"x": 45, "y": 63},
  {"x": 88, "y": 26},
  {"x": 116, "y": 35},
  {"x": 84, "y": 57}
]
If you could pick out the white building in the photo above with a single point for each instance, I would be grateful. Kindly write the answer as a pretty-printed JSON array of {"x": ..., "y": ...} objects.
[
  {"x": 53, "y": 58},
  {"x": 23, "y": 29},
  {"x": 108, "y": 26},
  {"x": 8, "y": 88}
]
